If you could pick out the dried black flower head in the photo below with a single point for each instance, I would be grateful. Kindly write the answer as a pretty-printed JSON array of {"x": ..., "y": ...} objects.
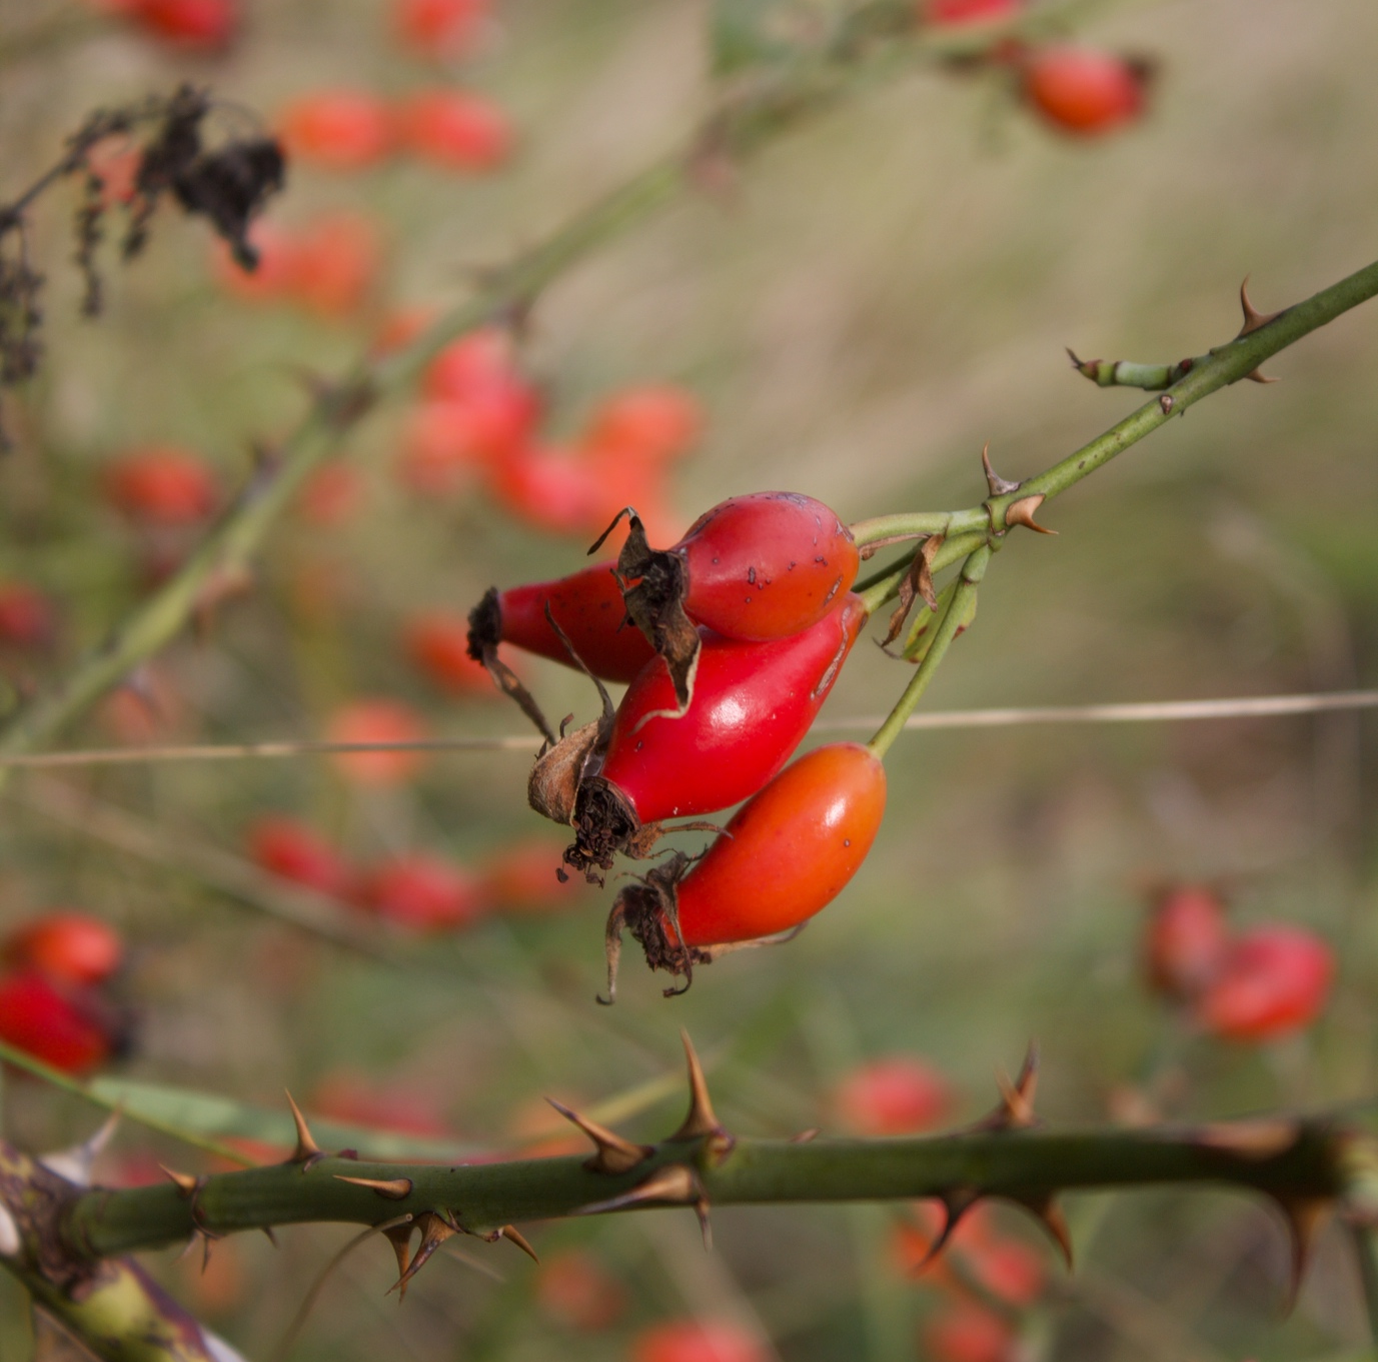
[{"x": 227, "y": 184}]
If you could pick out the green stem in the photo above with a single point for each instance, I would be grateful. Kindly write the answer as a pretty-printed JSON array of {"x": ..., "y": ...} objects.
[
  {"x": 1020, "y": 1166},
  {"x": 972, "y": 572},
  {"x": 914, "y": 524},
  {"x": 1366, "y": 1251}
]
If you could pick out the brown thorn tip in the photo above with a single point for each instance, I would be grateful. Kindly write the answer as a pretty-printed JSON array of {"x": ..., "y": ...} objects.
[
  {"x": 395, "y": 1189},
  {"x": 272, "y": 1235},
  {"x": 307, "y": 1149},
  {"x": 676, "y": 1184},
  {"x": 520, "y": 1240},
  {"x": 1049, "y": 1214},
  {"x": 955, "y": 1205},
  {"x": 185, "y": 1183},
  {"x": 1021, "y": 512},
  {"x": 998, "y": 485},
  {"x": 614, "y": 1154},
  {"x": 399, "y": 1236},
  {"x": 1303, "y": 1216},
  {"x": 1253, "y": 318},
  {"x": 701, "y": 1119},
  {"x": 435, "y": 1230},
  {"x": 1257, "y": 376}
]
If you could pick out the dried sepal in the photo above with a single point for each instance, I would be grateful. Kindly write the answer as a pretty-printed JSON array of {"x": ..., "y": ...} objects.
[
  {"x": 307, "y": 1151},
  {"x": 393, "y": 1189},
  {"x": 999, "y": 486},
  {"x": 917, "y": 581},
  {"x": 613, "y": 1154},
  {"x": 485, "y": 632},
  {"x": 653, "y": 586},
  {"x": 1021, "y": 512}
]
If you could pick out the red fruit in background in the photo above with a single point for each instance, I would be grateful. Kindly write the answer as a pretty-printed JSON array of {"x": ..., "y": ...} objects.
[
  {"x": 521, "y": 878},
  {"x": 1274, "y": 980},
  {"x": 337, "y": 129},
  {"x": 60, "y": 1028},
  {"x": 698, "y": 1341},
  {"x": 437, "y": 644},
  {"x": 752, "y": 705},
  {"x": 353, "y": 1097},
  {"x": 1081, "y": 91},
  {"x": 577, "y": 1292},
  {"x": 69, "y": 948},
  {"x": 645, "y": 425},
  {"x": 1185, "y": 941},
  {"x": 896, "y": 1095},
  {"x": 967, "y": 1332},
  {"x": 445, "y": 441},
  {"x": 161, "y": 484},
  {"x": 202, "y": 24},
  {"x": 26, "y": 615},
  {"x": 587, "y": 605},
  {"x": 275, "y": 275},
  {"x": 454, "y": 129},
  {"x": 424, "y": 894},
  {"x": 551, "y": 490},
  {"x": 943, "y": 13},
  {"x": 338, "y": 257},
  {"x": 400, "y": 327},
  {"x": 471, "y": 366},
  {"x": 290, "y": 849},
  {"x": 439, "y": 28},
  {"x": 332, "y": 495},
  {"x": 377, "y": 721}
]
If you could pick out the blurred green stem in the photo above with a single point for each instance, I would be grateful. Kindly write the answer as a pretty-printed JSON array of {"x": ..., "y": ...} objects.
[{"x": 1366, "y": 1251}]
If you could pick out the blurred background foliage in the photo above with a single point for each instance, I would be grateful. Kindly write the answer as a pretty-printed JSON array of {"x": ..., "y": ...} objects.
[{"x": 857, "y": 312}]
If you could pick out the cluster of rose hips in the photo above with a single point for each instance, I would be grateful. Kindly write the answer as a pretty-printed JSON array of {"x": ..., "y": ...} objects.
[
  {"x": 1262, "y": 984},
  {"x": 435, "y": 29},
  {"x": 478, "y": 421},
  {"x": 54, "y": 999},
  {"x": 1076, "y": 90},
  {"x": 418, "y": 892},
  {"x": 350, "y": 130},
  {"x": 742, "y": 628}
]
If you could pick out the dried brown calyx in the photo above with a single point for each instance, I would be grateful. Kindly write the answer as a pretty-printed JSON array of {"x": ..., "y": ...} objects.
[
  {"x": 604, "y": 825},
  {"x": 654, "y": 584},
  {"x": 649, "y": 910},
  {"x": 485, "y": 633}
]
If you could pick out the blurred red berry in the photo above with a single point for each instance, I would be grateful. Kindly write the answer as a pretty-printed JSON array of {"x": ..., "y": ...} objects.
[
  {"x": 697, "y": 1341},
  {"x": 377, "y": 721},
  {"x": 1081, "y": 91},
  {"x": 400, "y": 327},
  {"x": 161, "y": 484},
  {"x": 275, "y": 275},
  {"x": 68, "y": 947},
  {"x": 338, "y": 257},
  {"x": 1274, "y": 980},
  {"x": 439, "y": 28},
  {"x": 521, "y": 878},
  {"x": 967, "y": 1332},
  {"x": 203, "y": 24},
  {"x": 1185, "y": 941},
  {"x": 1009, "y": 1269},
  {"x": 953, "y": 12},
  {"x": 424, "y": 894},
  {"x": 26, "y": 615},
  {"x": 552, "y": 490},
  {"x": 289, "y": 849},
  {"x": 894, "y": 1096},
  {"x": 437, "y": 643},
  {"x": 472, "y": 365},
  {"x": 454, "y": 129},
  {"x": 350, "y": 1096},
  {"x": 577, "y": 1292},
  {"x": 337, "y": 129},
  {"x": 147, "y": 708},
  {"x": 332, "y": 494},
  {"x": 63, "y": 1029},
  {"x": 646, "y": 426}
]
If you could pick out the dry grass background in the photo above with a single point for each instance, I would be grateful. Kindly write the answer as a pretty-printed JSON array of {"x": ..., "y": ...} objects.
[{"x": 883, "y": 292}]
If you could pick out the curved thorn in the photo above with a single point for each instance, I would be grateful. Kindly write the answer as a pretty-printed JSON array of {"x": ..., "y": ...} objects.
[
  {"x": 1049, "y": 1214},
  {"x": 1021, "y": 512},
  {"x": 394, "y": 1189},
  {"x": 676, "y": 1184},
  {"x": 701, "y": 1119},
  {"x": 513, "y": 1234},
  {"x": 955, "y": 1205},
  {"x": 614, "y": 1154},
  {"x": 1000, "y": 486},
  {"x": 307, "y": 1150},
  {"x": 1303, "y": 1216}
]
